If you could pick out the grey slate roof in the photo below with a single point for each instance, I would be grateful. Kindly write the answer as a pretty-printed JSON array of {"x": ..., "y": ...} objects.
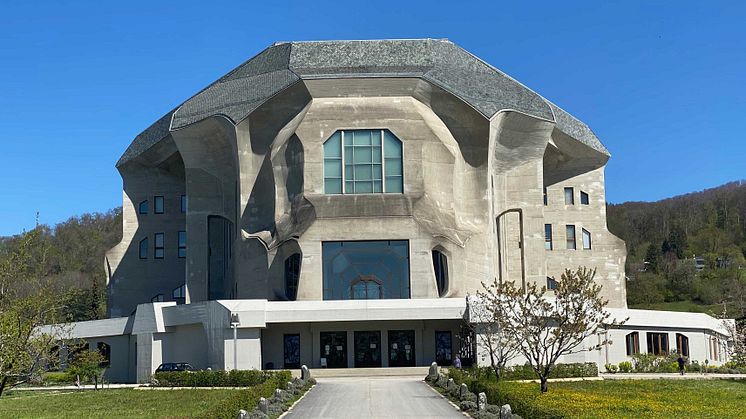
[{"x": 440, "y": 62}]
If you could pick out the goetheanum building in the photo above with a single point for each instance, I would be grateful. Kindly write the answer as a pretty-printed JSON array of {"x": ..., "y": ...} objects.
[{"x": 335, "y": 202}]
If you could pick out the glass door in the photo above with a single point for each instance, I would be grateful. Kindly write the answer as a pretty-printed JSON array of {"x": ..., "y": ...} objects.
[
  {"x": 401, "y": 348},
  {"x": 291, "y": 344},
  {"x": 367, "y": 349},
  {"x": 333, "y": 349}
]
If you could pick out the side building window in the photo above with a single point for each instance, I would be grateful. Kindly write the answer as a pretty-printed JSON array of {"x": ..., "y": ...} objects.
[
  {"x": 548, "y": 236},
  {"x": 158, "y": 249},
  {"x": 658, "y": 343},
  {"x": 570, "y": 234},
  {"x": 440, "y": 265},
  {"x": 569, "y": 196},
  {"x": 292, "y": 275},
  {"x": 143, "y": 207},
  {"x": 363, "y": 161},
  {"x": 586, "y": 240},
  {"x": 633, "y": 343},
  {"x": 182, "y": 244},
  {"x": 682, "y": 345},
  {"x": 551, "y": 283},
  {"x": 183, "y": 203},
  {"x": 584, "y": 198},
  {"x": 179, "y": 294},
  {"x": 144, "y": 248},
  {"x": 158, "y": 204}
]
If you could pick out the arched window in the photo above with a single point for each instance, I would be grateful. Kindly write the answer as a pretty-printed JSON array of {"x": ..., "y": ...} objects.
[
  {"x": 363, "y": 161},
  {"x": 682, "y": 345},
  {"x": 633, "y": 343},
  {"x": 440, "y": 265},
  {"x": 105, "y": 350},
  {"x": 292, "y": 274}
]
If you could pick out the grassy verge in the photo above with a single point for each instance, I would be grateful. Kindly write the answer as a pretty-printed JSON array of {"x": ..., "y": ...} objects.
[
  {"x": 685, "y": 306},
  {"x": 124, "y": 403},
  {"x": 621, "y": 399}
]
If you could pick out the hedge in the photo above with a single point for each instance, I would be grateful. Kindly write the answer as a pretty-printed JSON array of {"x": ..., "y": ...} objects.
[
  {"x": 234, "y": 378},
  {"x": 525, "y": 372}
]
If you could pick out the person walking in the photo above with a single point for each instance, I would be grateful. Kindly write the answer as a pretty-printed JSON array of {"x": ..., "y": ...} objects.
[
  {"x": 681, "y": 362},
  {"x": 457, "y": 362}
]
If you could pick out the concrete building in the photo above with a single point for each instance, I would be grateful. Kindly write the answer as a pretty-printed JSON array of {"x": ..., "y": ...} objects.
[{"x": 335, "y": 202}]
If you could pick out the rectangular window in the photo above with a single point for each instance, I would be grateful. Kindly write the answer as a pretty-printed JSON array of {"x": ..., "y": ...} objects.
[
  {"x": 360, "y": 270},
  {"x": 586, "y": 240},
  {"x": 551, "y": 283},
  {"x": 545, "y": 196},
  {"x": 144, "y": 248},
  {"x": 658, "y": 343},
  {"x": 633, "y": 343},
  {"x": 183, "y": 203},
  {"x": 143, "y": 207},
  {"x": 158, "y": 248},
  {"x": 569, "y": 196},
  {"x": 584, "y": 198},
  {"x": 182, "y": 244},
  {"x": 570, "y": 234},
  {"x": 158, "y": 203},
  {"x": 548, "y": 236}
]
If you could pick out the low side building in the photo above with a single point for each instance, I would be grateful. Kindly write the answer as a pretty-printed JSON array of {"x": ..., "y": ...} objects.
[{"x": 335, "y": 202}]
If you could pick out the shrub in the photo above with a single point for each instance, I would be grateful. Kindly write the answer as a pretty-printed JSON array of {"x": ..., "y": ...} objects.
[
  {"x": 611, "y": 368},
  {"x": 523, "y": 372},
  {"x": 58, "y": 377},
  {"x": 625, "y": 366},
  {"x": 234, "y": 378}
]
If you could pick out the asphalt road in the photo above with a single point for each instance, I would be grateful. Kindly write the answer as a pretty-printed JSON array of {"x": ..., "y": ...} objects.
[{"x": 374, "y": 397}]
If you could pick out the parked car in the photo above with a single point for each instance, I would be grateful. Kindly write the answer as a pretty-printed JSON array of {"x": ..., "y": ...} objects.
[{"x": 174, "y": 366}]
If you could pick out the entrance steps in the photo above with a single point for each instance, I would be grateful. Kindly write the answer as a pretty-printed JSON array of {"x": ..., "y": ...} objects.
[{"x": 370, "y": 372}]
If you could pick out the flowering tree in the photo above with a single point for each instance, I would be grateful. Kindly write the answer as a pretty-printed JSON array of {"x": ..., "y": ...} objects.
[
  {"x": 489, "y": 330},
  {"x": 546, "y": 325}
]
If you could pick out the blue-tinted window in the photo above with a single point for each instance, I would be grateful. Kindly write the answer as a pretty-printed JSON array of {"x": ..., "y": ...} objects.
[
  {"x": 440, "y": 265},
  {"x": 363, "y": 161},
  {"x": 143, "y": 207},
  {"x": 144, "y": 248},
  {"x": 366, "y": 270},
  {"x": 292, "y": 274},
  {"x": 159, "y": 247},
  {"x": 158, "y": 204},
  {"x": 182, "y": 244},
  {"x": 183, "y": 203}
]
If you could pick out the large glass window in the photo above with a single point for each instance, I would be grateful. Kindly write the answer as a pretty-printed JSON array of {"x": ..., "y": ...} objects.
[
  {"x": 363, "y": 161},
  {"x": 443, "y": 347},
  {"x": 366, "y": 269},
  {"x": 440, "y": 264},
  {"x": 658, "y": 343},
  {"x": 292, "y": 274}
]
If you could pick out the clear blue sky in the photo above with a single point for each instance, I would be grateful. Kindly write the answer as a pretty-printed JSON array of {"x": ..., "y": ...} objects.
[{"x": 662, "y": 83}]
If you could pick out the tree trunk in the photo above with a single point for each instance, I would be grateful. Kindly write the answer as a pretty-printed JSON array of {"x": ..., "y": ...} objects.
[
  {"x": 544, "y": 388},
  {"x": 95, "y": 382},
  {"x": 2, "y": 385}
]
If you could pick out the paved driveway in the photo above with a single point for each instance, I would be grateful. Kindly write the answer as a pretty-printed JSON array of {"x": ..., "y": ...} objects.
[{"x": 375, "y": 397}]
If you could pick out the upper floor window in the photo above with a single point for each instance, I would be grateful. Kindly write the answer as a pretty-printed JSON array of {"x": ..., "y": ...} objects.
[
  {"x": 586, "y": 240},
  {"x": 158, "y": 204},
  {"x": 183, "y": 203},
  {"x": 545, "y": 196},
  {"x": 548, "y": 236},
  {"x": 179, "y": 293},
  {"x": 570, "y": 235},
  {"x": 182, "y": 244},
  {"x": 551, "y": 283},
  {"x": 569, "y": 196},
  {"x": 584, "y": 198},
  {"x": 157, "y": 299},
  {"x": 144, "y": 248},
  {"x": 143, "y": 207},
  {"x": 158, "y": 248},
  {"x": 363, "y": 161},
  {"x": 292, "y": 275},
  {"x": 440, "y": 264}
]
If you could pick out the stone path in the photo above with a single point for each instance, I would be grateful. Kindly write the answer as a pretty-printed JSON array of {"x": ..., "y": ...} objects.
[{"x": 373, "y": 397}]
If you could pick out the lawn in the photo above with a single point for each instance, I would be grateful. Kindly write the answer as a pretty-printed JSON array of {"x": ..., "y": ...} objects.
[
  {"x": 122, "y": 403},
  {"x": 628, "y": 399},
  {"x": 685, "y": 306}
]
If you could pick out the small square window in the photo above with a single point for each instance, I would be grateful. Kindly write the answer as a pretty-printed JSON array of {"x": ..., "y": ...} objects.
[
  {"x": 584, "y": 198},
  {"x": 158, "y": 248},
  {"x": 183, "y": 203},
  {"x": 158, "y": 200},
  {"x": 143, "y": 207},
  {"x": 569, "y": 196}
]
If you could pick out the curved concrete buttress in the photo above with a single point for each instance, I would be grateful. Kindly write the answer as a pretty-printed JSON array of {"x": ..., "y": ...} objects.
[{"x": 566, "y": 157}]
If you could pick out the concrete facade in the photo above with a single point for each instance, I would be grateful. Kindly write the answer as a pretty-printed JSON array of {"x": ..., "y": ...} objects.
[{"x": 485, "y": 162}]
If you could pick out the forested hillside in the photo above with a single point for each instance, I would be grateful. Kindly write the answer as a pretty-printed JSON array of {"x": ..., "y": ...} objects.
[
  {"x": 665, "y": 238},
  {"x": 71, "y": 256}
]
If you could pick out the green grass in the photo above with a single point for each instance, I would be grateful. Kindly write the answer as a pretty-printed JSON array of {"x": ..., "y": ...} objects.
[
  {"x": 626, "y": 399},
  {"x": 686, "y": 306},
  {"x": 120, "y": 403}
]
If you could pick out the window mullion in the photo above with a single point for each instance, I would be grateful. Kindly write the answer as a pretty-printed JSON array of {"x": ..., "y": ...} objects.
[
  {"x": 383, "y": 164},
  {"x": 344, "y": 168}
]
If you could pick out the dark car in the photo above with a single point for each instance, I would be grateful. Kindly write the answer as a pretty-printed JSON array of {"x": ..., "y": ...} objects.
[{"x": 174, "y": 366}]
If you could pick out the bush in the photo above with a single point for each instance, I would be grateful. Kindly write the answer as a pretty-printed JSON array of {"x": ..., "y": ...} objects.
[
  {"x": 234, "y": 378},
  {"x": 611, "y": 368},
  {"x": 58, "y": 377},
  {"x": 523, "y": 372},
  {"x": 625, "y": 366}
]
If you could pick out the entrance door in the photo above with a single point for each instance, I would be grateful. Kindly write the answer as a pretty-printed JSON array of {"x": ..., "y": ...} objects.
[
  {"x": 291, "y": 349},
  {"x": 443, "y": 348},
  {"x": 368, "y": 349},
  {"x": 334, "y": 349},
  {"x": 401, "y": 348}
]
